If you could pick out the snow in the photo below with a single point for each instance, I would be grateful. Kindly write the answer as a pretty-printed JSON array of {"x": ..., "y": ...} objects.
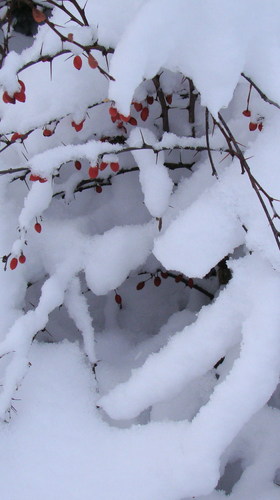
[
  {"x": 155, "y": 181},
  {"x": 224, "y": 56},
  {"x": 139, "y": 342},
  {"x": 113, "y": 255}
]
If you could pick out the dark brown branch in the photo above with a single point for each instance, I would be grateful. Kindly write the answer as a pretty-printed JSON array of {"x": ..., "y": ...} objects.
[
  {"x": 260, "y": 92},
  {"x": 162, "y": 101},
  {"x": 214, "y": 171},
  {"x": 186, "y": 281},
  {"x": 191, "y": 108}
]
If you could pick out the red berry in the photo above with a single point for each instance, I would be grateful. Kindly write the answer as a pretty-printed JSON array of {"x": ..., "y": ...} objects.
[
  {"x": 42, "y": 180},
  {"x": 132, "y": 121},
  {"x": 157, "y": 281},
  {"x": 113, "y": 112},
  {"x": 38, "y": 227},
  {"x": 140, "y": 285},
  {"x": 137, "y": 106},
  {"x": 118, "y": 299},
  {"x": 246, "y": 112},
  {"x": 70, "y": 37},
  {"x": 164, "y": 275},
  {"x": 260, "y": 126},
  {"x": 150, "y": 99},
  {"x": 38, "y": 15},
  {"x": 22, "y": 85},
  {"x": 115, "y": 167},
  {"x": 78, "y": 165},
  {"x": 77, "y": 126},
  {"x": 15, "y": 137},
  {"x": 169, "y": 98},
  {"x": 7, "y": 98},
  {"x": 13, "y": 263},
  {"x": 20, "y": 96},
  {"x": 103, "y": 165},
  {"x": 144, "y": 114},
  {"x": 92, "y": 61},
  {"x": 253, "y": 126},
  {"x": 77, "y": 62},
  {"x": 179, "y": 278},
  {"x": 22, "y": 259},
  {"x": 47, "y": 132},
  {"x": 93, "y": 172},
  {"x": 98, "y": 189},
  {"x": 125, "y": 118},
  {"x": 34, "y": 178},
  {"x": 190, "y": 282}
]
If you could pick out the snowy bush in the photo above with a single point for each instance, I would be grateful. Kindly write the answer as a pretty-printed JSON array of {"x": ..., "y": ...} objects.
[{"x": 140, "y": 225}]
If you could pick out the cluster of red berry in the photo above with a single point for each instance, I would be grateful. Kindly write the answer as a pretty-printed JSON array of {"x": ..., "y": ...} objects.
[
  {"x": 34, "y": 178},
  {"x": 93, "y": 171},
  {"x": 17, "y": 96},
  {"x": 252, "y": 125},
  {"x": 164, "y": 275},
  {"x": 78, "y": 62}
]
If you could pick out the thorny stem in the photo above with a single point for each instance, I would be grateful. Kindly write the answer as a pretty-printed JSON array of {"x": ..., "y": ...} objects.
[
  {"x": 214, "y": 171},
  {"x": 191, "y": 108},
  {"x": 255, "y": 185},
  {"x": 162, "y": 101}
]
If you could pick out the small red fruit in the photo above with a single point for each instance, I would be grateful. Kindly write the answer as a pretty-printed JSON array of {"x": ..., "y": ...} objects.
[
  {"x": 118, "y": 299},
  {"x": 132, "y": 121},
  {"x": 15, "y": 137},
  {"x": 260, "y": 126},
  {"x": 20, "y": 96},
  {"x": 78, "y": 165},
  {"x": 38, "y": 15},
  {"x": 22, "y": 259},
  {"x": 47, "y": 132},
  {"x": 150, "y": 99},
  {"x": 7, "y": 98},
  {"x": 115, "y": 166},
  {"x": 42, "y": 180},
  {"x": 98, "y": 189},
  {"x": 157, "y": 281},
  {"x": 113, "y": 112},
  {"x": 92, "y": 62},
  {"x": 190, "y": 282},
  {"x": 38, "y": 227},
  {"x": 22, "y": 85},
  {"x": 140, "y": 285},
  {"x": 246, "y": 112},
  {"x": 144, "y": 114},
  {"x": 70, "y": 37},
  {"x": 93, "y": 172},
  {"x": 34, "y": 178},
  {"x": 253, "y": 126},
  {"x": 168, "y": 98},
  {"x": 125, "y": 118},
  {"x": 77, "y": 62},
  {"x": 77, "y": 126},
  {"x": 137, "y": 106},
  {"x": 13, "y": 263},
  {"x": 103, "y": 165},
  {"x": 164, "y": 275},
  {"x": 179, "y": 278}
]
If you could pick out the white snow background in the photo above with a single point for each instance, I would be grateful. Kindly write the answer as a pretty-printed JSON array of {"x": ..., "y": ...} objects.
[{"x": 124, "y": 403}]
